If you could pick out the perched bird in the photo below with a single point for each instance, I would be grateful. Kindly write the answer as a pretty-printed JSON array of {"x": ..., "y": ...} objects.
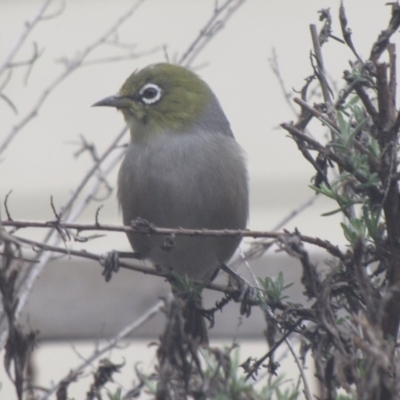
[{"x": 183, "y": 168}]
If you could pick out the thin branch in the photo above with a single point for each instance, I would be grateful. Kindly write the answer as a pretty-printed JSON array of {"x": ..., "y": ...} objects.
[
  {"x": 346, "y": 31},
  {"x": 329, "y": 153},
  {"x": 273, "y": 63},
  {"x": 371, "y": 110},
  {"x": 285, "y": 338},
  {"x": 111, "y": 148},
  {"x": 321, "y": 68},
  {"x": 56, "y": 13},
  {"x": 308, "y": 203},
  {"x": 36, "y": 54},
  {"x": 9, "y": 102},
  {"x": 312, "y": 142},
  {"x": 72, "y": 66},
  {"x": 33, "y": 272},
  {"x": 143, "y": 319},
  {"x": 393, "y": 77},
  {"x": 101, "y": 257},
  {"x": 145, "y": 228},
  {"x": 382, "y": 42},
  {"x": 28, "y": 27},
  {"x": 220, "y": 16},
  {"x": 326, "y": 120}
]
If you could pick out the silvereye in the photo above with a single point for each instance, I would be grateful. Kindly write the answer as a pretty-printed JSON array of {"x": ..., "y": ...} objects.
[{"x": 183, "y": 168}]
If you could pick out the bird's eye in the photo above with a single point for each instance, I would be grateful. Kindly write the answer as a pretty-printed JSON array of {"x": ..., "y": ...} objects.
[{"x": 150, "y": 93}]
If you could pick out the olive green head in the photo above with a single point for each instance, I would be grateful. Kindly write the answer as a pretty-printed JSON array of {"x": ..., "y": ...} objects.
[{"x": 162, "y": 97}]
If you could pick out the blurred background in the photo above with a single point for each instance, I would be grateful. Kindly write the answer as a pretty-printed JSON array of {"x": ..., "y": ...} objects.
[{"x": 70, "y": 300}]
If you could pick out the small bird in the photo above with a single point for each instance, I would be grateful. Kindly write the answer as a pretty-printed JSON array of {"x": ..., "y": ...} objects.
[{"x": 183, "y": 168}]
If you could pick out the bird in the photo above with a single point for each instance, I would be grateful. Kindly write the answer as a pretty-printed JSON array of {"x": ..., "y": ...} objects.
[{"x": 183, "y": 168}]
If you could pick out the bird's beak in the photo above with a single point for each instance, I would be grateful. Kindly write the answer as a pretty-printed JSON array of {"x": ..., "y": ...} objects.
[{"x": 113, "y": 101}]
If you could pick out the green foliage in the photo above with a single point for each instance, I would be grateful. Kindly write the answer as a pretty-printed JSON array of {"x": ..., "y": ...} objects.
[
  {"x": 333, "y": 193},
  {"x": 274, "y": 287},
  {"x": 354, "y": 110},
  {"x": 116, "y": 395},
  {"x": 227, "y": 383},
  {"x": 274, "y": 388},
  {"x": 348, "y": 132},
  {"x": 366, "y": 226},
  {"x": 351, "y": 127},
  {"x": 346, "y": 189},
  {"x": 342, "y": 320},
  {"x": 354, "y": 229},
  {"x": 184, "y": 286},
  {"x": 374, "y": 148},
  {"x": 345, "y": 397},
  {"x": 371, "y": 219}
]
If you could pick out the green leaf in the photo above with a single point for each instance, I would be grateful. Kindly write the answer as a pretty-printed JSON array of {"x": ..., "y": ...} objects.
[
  {"x": 114, "y": 396},
  {"x": 274, "y": 287},
  {"x": 372, "y": 222},
  {"x": 374, "y": 148}
]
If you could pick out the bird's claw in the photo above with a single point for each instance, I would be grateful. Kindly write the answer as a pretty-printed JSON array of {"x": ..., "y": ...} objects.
[
  {"x": 247, "y": 296},
  {"x": 110, "y": 262},
  {"x": 246, "y": 293}
]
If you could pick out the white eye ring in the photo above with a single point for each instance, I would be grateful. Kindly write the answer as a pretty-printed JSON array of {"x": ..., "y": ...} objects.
[{"x": 153, "y": 93}]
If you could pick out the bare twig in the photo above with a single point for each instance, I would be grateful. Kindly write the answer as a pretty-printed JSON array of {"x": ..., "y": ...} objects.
[
  {"x": 273, "y": 63},
  {"x": 6, "y": 205},
  {"x": 132, "y": 56},
  {"x": 217, "y": 21},
  {"x": 144, "y": 318},
  {"x": 382, "y": 42},
  {"x": 29, "y": 25},
  {"x": 72, "y": 66},
  {"x": 393, "y": 77},
  {"x": 28, "y": 279},
  {"x": 9, "y": 102},
  {"x": 309, "y": 202},
  {"x": 267, "y": 310},
  {"x": 346, "y": 31},
  {"x": 369, "y": 106},
  {"x": 321, "y": 69},
  {"x": 145, "y": 228}
]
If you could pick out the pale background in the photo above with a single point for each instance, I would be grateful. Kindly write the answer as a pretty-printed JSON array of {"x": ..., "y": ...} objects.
[{"x": 40, "y": 162}]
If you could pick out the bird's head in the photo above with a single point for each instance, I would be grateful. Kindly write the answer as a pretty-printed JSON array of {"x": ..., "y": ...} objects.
[{"x": 161, "y": 97}]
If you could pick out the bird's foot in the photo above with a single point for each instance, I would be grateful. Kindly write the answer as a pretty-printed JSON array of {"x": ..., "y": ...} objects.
[
  {"x": 110, "y": 262},
  {"x": 247, "y": 294}
]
